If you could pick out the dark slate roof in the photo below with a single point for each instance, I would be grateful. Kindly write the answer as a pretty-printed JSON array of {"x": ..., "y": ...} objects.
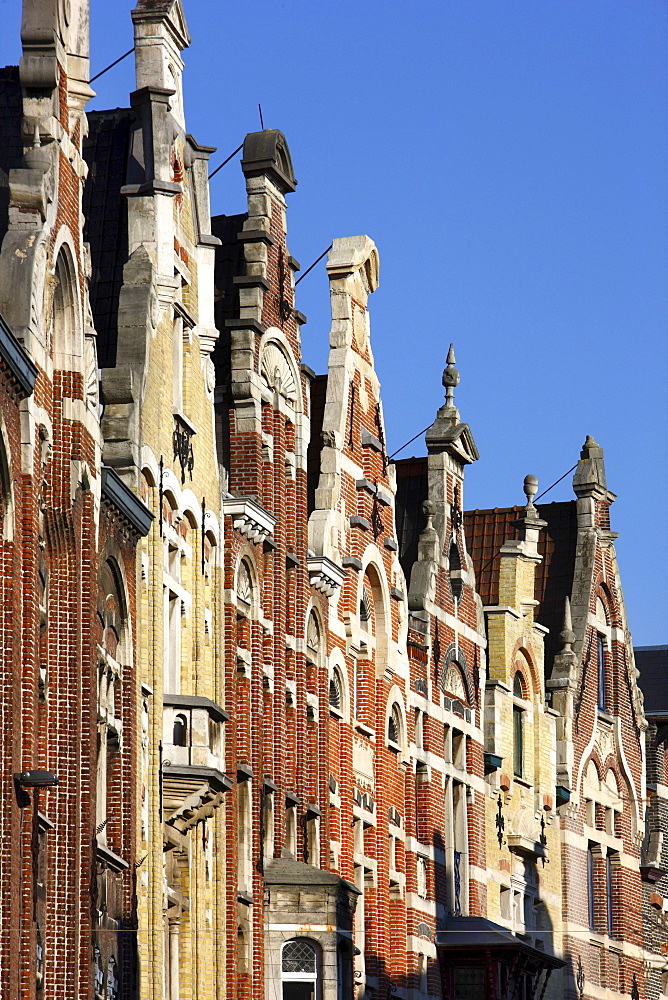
[
  {"x": 229, "y": 263},
  {"x": 411, "y": 492},
  {"x": 286, "y": 871},
  {"x": 652, "y": 662},
  {"x": 487, "y": 530},
  {"x": 11, "y": 144},
  {"x": 317, "y": 412},
  {"x": 478, "y": 933},
  {"x": 106, "y": 226},
  {"x": 17, "y": 361}
]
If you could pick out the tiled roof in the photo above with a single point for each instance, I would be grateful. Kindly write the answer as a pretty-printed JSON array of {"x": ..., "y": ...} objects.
[
  {"x": 11, "y": 146},
  {"x": 652, "y": 662},
  {"x": 106, "y": 226},
  {"x": 487, "y": 530}
]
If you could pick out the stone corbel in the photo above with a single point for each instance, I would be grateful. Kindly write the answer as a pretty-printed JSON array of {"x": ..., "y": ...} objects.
[{"x": 325, "y": 575}]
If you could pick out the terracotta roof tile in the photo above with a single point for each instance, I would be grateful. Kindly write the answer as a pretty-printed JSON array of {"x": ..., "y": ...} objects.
[{"x": 487, "y": 530}]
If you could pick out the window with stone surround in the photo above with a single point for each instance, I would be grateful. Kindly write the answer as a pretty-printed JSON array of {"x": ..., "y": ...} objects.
[
  {"x": 602, "y": 806},
  {"x": 456, "y": 792},
  {"x": 521, "y": 694},
  {"x": 602, "y": 646},
  {"x": 112, "y": 654},
  {"x": 300, "y": 961}
]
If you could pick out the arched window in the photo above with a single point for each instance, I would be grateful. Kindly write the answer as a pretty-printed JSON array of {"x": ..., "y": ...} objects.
[
  {"x": 180, "y": 732},
  {"x": 335, "y": 698},
  {"x": 602, "y": 637},
  {"x": 394, "y": 726},
  {"x": 518, "y": 731},
  {"x": 299, "y": 969},
  {"x": 66, "y": 338},
  {"x": 365, "y": 608}
]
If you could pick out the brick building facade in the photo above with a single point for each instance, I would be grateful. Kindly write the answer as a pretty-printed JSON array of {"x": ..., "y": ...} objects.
[
  {"x": 69, "y": 535},
  {"x": 318, "y": 731}
]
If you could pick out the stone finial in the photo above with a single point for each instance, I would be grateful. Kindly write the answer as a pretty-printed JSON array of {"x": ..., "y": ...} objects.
[
  {"x": 429, "y": 509},
  {"x": 567, "y": 635},
  {"x": 450, "y": 377},
  {"x": 530, "y": 489},
  {"x": 38, "y": 157},
  {"x": 589, "y": 478},
  {"x": 591, "y": 448}
]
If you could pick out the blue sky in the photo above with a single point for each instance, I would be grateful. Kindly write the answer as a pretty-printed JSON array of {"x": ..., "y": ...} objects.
[{"x": 509, "y": 158}]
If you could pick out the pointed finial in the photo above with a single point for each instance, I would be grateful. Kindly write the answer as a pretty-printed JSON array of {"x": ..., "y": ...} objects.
[
  {"x": 36, "y": 142},
  {"x": 530, "y": 489},
  {"x": 450, "y": 377},
  {"x": 567, "y": 635},
  {"x": 588, "y": 448}
]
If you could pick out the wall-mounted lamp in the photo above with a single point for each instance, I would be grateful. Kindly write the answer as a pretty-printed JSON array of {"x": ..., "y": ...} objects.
[{"x": 36, "y": 779}]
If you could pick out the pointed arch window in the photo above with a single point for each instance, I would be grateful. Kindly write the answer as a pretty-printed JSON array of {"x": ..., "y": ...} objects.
[{"x": 518, "y": 727}]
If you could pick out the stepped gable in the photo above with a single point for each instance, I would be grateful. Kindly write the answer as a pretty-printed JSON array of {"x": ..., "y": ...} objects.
[
  {"x": 105, "y": 151},
  {"x": 486, "y": 532}
]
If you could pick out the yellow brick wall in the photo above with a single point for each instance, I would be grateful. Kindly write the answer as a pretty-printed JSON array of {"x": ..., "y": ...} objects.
[
  {"x": 202, "y": 925},
  {"x": 523, "y": 801}
]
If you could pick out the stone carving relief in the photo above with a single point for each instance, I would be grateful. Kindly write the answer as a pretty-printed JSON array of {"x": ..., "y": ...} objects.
[
  {"x": 244, "y": 584},
  {"x": 277, "y": 373}
]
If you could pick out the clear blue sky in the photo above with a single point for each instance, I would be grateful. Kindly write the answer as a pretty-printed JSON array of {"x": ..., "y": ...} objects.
[{"x": 509, "y": 158}]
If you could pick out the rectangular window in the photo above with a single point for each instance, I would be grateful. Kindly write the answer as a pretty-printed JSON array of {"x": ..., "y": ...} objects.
[
  {"x": 608, "y": 895},
  {"x": 590, "y": 888},
  {"x": 518, "y": 742},
  {"x": 600, "y": 654}
]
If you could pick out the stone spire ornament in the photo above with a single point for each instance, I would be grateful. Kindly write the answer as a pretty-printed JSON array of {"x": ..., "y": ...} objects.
[
  {"x": 567, "y": 635},
  {"x": 450, "y": 378},
  {"x": 447, "y": 433}
]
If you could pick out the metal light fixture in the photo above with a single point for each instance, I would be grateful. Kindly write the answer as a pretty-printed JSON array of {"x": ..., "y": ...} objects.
[{"x": 36, "y": 779}]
